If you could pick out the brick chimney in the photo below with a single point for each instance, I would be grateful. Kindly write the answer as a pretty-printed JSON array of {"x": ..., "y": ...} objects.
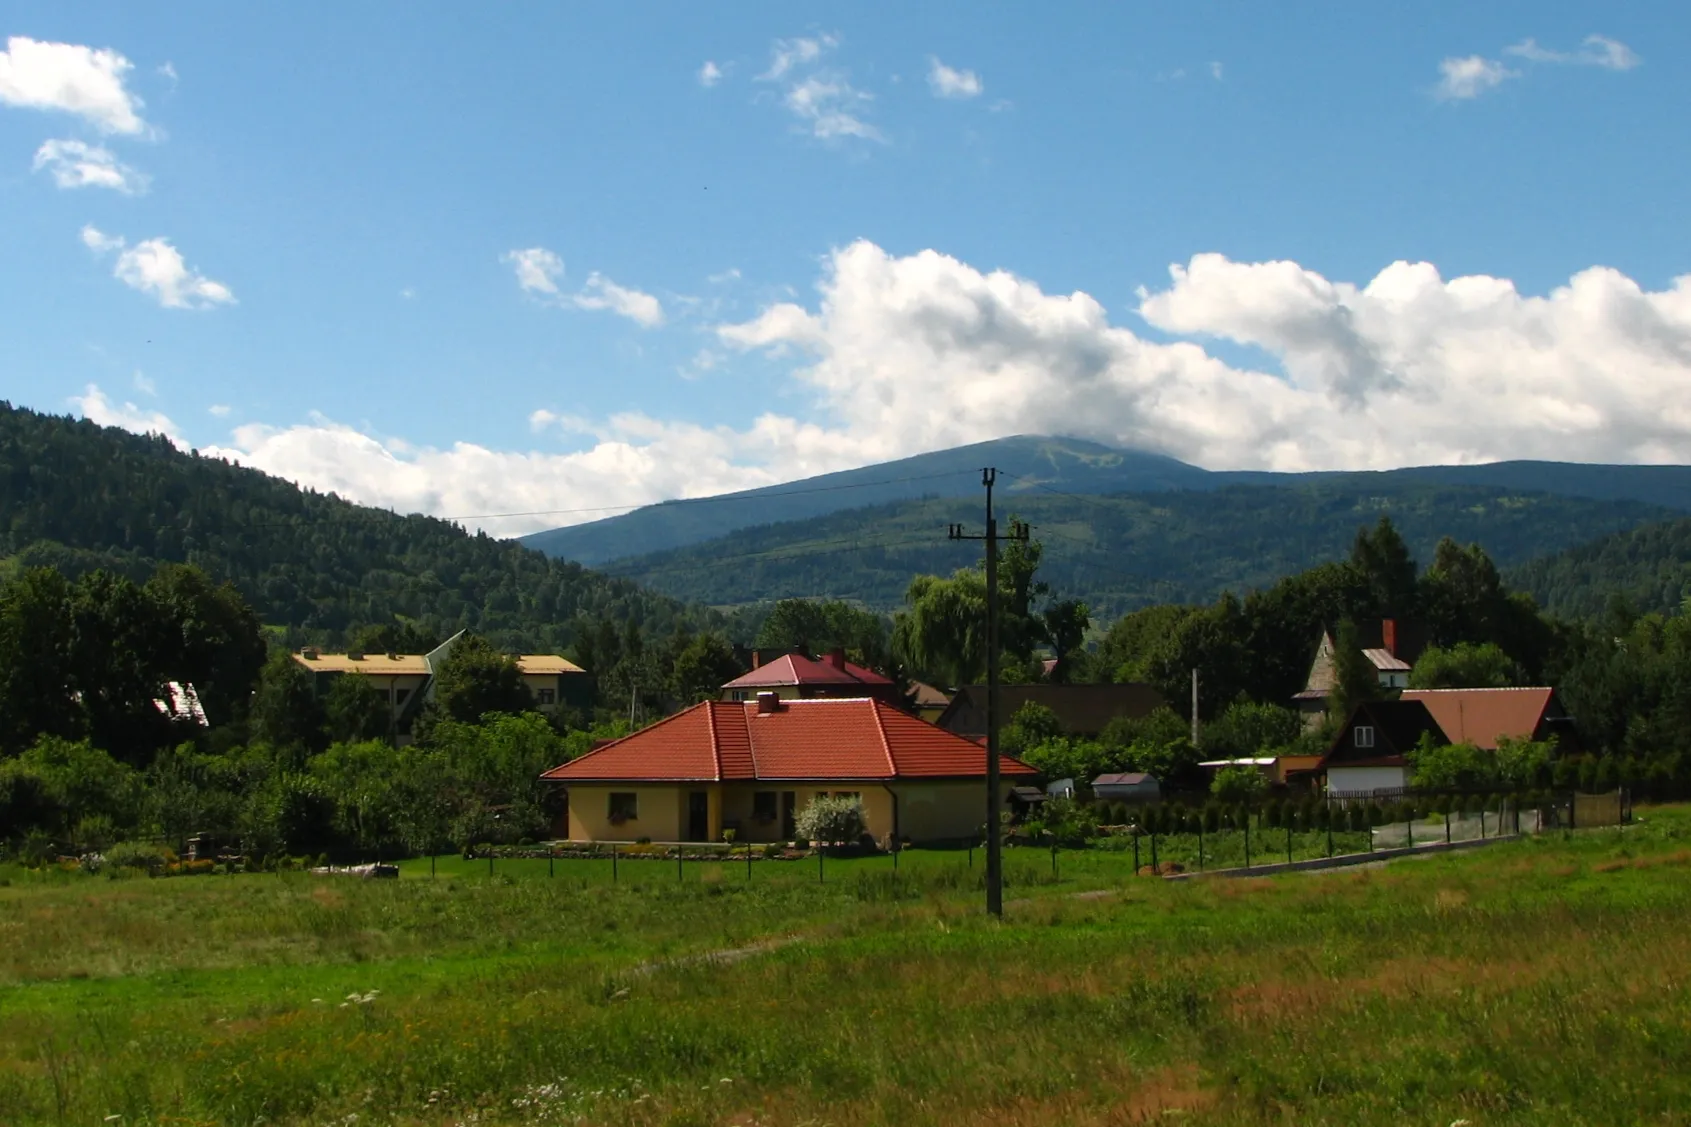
[
  {"x": 757, "y": 658},
  {"x": 768, "y": 703},
  {"x": 836, "y": 658},
  {"x": 1388, "y": 635}
]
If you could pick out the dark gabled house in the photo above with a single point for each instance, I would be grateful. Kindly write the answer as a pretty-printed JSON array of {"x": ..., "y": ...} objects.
[
  {"x": 1082, "y": 710},
  {"x": 1390, "y": 645},
  {"x": 1370, "y": 752}
]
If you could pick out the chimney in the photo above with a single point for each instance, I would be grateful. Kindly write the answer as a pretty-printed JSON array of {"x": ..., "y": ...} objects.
[
  {"x": 309, "y": 653},
  {"x": 768, "y": 703},
  {"x": 757, "y": 658},
  {"x": 1388, "y": 635},
  {"x": 836, "y": 658},
  {"x": 355, "y": 655}
]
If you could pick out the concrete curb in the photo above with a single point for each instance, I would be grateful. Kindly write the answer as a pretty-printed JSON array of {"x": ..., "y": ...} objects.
[{"x": 1346, "y": 860}]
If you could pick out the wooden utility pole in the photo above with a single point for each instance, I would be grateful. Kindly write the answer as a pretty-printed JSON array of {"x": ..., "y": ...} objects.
[{"x": 994, "y": 854}]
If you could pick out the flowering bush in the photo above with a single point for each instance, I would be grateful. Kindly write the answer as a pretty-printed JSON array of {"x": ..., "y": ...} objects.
[{"x": 828, "y": 819}]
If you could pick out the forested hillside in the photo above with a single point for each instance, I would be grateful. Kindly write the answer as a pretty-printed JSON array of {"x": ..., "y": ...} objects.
[
  {"x": 1649, "y": 567},
  {"x": 1125, "y": 551},
  {"x": 77, "y": 496}
]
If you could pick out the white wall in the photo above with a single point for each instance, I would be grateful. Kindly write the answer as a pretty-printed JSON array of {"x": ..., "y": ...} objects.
[{"x": 1351, "y": 780}]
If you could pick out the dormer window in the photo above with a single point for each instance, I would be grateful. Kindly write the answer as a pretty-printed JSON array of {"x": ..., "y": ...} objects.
[{"x": 1363, "y": 736}]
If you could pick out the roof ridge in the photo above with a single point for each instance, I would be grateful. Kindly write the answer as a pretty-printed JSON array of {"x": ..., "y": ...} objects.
[
  {"x": 875, "y": 707},
  {"x": 715, "y": 744}
]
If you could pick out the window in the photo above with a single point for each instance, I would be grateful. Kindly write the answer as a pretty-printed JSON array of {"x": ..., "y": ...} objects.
[
  {"x": 546, "y": 696},
  {"x": 399, "y": 695},
  {"x": 625, "y": 807},
  {"x": 739, "y": 694},
  {"x": 763, "y": 805},
  {"x": 1364, "y": 736}
]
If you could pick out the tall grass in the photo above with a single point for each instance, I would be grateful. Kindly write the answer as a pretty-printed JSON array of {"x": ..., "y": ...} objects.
[{"x": 1536, "y": 981}]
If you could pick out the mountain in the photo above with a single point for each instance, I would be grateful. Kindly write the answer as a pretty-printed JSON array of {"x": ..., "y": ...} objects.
[
  {"x": 79, "y": 496},
  {"x": 1033, "y": 464},
  {"x": 1649, "y": 566},
  {"x": 1027, "y": 463},
  {"x": 1125, "y": 551}
]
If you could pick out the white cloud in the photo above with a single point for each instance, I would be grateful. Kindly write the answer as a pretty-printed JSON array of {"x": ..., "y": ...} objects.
[
  {"x": 946, "y": 82},
  {"x": 709, "y": 74},
  {"x": 537, "y": 268},
  {"x": 156, "y": 268},
  {"x": 1216, "y": 71},
  {"x": 144, "y": 384},
  {"x": 901, "y": 355},
  {"x": 602, "y": 293},
  {"x": 77, "y": 164},
  {"x": 789, "y": 53},
  {"x": 1469, "y": 77},
  {"x": 219, "y": 410},
  {"x": 732, "y": 274},
  {"x": 95, "y": 406},
  {"x": 1596, "y": 51},
  {"x": 827, "y": 105},
  {"x": 167, "y": 69},
  {"x": 72, "y": 79}
]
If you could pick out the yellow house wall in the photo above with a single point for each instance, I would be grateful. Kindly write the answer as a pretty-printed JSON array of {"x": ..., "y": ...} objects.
[
  {"x": 538, "y": 681},
  {"x": 658, "y": 817},
  {"x": 942, "y": 811}
]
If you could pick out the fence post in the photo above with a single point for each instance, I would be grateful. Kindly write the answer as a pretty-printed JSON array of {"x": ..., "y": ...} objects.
[
  {"x": 821, "y": 849},
  {"x": 748, "y": 860},
  {"x": 679, "y": 857},
  {"x": 1135, "y": 850},
  {"x": 1053, "y": 859},
  {"x": 1447, "y": 827},
  {"x": 613, "y": 862},
  {"x": 490, "y": 860},
  {"x": 1247, "y": 840},
  {"x": 1409, "y": 828},
  {"x": 551, "y": 858},
  {"x": 1156, "y": 869},
  {"x": 1288, "y": 843},
  {"x": 1200, "y": 847},
  {"x": 1329, "y": 830}
]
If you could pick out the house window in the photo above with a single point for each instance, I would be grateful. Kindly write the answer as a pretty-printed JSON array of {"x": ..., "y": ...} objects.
[
  {"x": 625, "y": 807},
  {"x": 1364, "y": 736},
  {"x": 739, "y": 694},
  {"x": 763, "y": 805},
  {"x": 546, "y": 696}
]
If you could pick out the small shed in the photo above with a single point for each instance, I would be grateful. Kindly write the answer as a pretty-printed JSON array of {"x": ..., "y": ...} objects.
[
  {"x": 1127, "y": 786},
  {"x": 1062, "y": 788}
]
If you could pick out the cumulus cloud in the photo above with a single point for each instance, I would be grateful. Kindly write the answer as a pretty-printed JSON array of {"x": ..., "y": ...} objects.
[
  {"x": 156, "y": 268},
  {"x": 1463, "y": 78},
  {"x": 709, "y": 74},
  {"x": 77, "y": 164},
  {"x": 537, "y": 269},
  {"x": 219, "y": 410},
  {"x": 947, "y": 82},
  {"x": 825, "y": 102},
  {"x": 903, "y": 354},
  {"x": 72, "y": 79}
]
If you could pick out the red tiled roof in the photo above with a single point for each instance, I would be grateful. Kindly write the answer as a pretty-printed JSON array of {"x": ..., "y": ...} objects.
[
  {"x": 1479, "y": 716},
  {"x": 797, "y": 669},
  {"x": 856, "y": 738}
]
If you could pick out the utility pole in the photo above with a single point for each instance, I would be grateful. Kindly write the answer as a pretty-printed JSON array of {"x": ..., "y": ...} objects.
[
  {"x": 1018, "y": 531},
  {"x": 1194, "y": 706}
]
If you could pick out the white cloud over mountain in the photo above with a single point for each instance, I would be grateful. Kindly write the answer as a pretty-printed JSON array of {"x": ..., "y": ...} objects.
[
  {"x": 900, "y": 355},
  {"x": 70, "y": 78}
]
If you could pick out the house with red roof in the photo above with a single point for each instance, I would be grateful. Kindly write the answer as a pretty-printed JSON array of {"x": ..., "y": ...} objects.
[
  {"x": 751, "y": 766},
  {"x": 794, "y": 675}
]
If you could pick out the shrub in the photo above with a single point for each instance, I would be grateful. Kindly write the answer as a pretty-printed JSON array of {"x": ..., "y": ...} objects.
[
  {"x": 139, "y": 855},
  {"x": 832, "y": 819}
]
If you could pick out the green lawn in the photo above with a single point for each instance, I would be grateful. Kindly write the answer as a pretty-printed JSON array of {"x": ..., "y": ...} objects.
[{"x": 1531, "y": 982}]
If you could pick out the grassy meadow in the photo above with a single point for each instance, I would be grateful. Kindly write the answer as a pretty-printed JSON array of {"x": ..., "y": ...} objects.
[{"x": 1544, "y": 980}]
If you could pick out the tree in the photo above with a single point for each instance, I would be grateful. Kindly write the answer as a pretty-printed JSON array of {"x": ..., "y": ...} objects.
[
  {"x": 1248, "y": 729},
  {"x": 1032, "y": 725},
  {"x": 1064, "y": 625},
  {"x": 475, "y": 679},
  {"x": 1131, "y": 643},
  {"x": 355, "y": 710},
  {"x": 702, "y": 668},
  {"x": 285, "y": 710},
  {"x": 35, "y": 660},
  {"x": 942, "y": 632},
  {"x": 1159, "y": 744},
  {"x": 211, "y": 639},
  {"x": 817, "y": 625},
  {"x": 1238, "y": 784},
  {"x": 1354, "y": 677},
  {"x": 1458, "y": 766},
  {"x": 1463, "y": 666},
  {"x": 1383, "y": 560}
]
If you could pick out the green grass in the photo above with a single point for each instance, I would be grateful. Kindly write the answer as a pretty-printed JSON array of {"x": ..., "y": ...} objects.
[{"x": 1536, "y": 981}]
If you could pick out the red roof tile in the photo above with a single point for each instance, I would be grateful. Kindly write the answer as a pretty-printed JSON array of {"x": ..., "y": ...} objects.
[
  {"x": 847, "y": 739},
  {"x": 797, "y": 669}
]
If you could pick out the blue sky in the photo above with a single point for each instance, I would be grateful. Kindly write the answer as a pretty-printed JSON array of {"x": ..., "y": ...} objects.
[{"x": 299, "y": 234}]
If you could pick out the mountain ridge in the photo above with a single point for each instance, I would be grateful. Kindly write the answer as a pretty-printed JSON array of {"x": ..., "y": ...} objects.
[{"x": 1037, "y": 463}]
